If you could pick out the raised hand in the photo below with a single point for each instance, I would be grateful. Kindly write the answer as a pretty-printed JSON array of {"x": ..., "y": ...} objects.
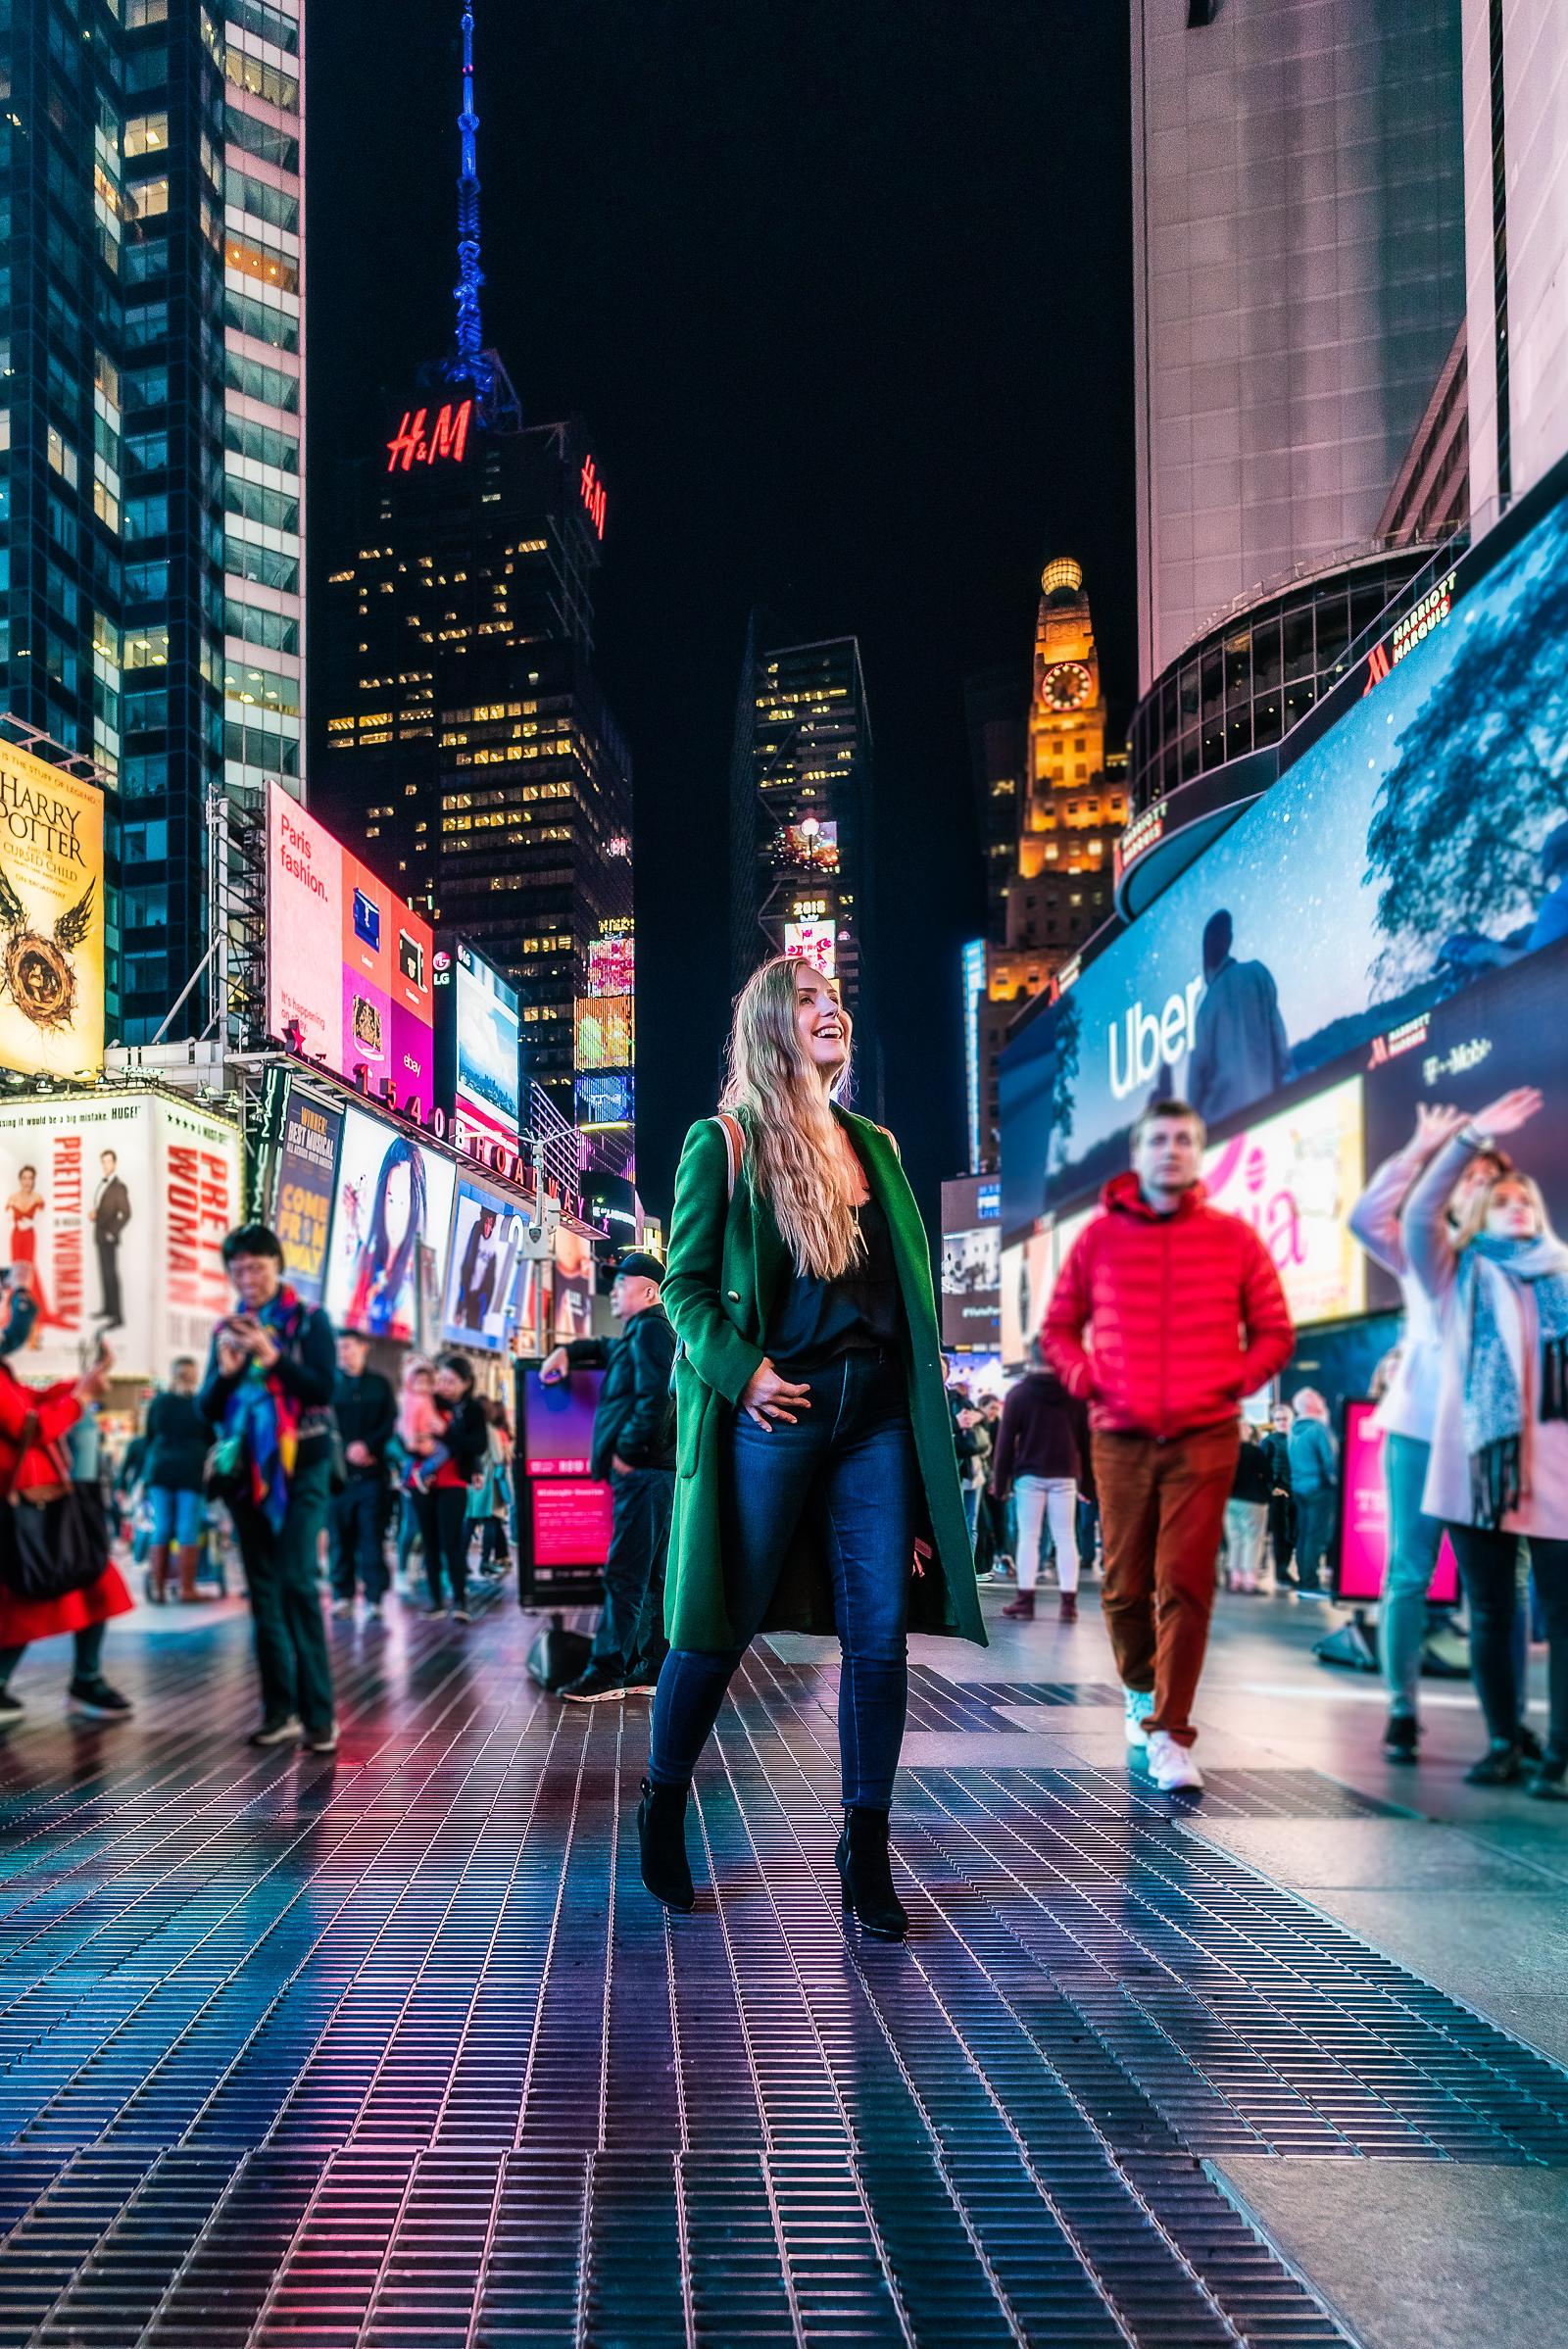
[
  {"x": 1435, "y": 1123},
  {"x": 1509, "y": 1111}
]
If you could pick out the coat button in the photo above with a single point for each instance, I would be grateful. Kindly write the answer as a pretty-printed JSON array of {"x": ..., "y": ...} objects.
[{"x": 734, "y": 1295}]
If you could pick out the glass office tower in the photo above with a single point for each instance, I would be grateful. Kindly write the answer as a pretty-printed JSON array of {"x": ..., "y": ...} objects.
[{"x": 151, "y": 163}]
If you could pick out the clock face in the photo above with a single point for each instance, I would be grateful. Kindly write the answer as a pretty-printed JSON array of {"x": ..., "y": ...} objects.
[{"x": 1068, "y": 686}]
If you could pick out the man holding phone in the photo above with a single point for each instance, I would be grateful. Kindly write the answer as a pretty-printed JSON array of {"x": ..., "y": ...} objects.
[{"x": 268, "y": 1394}]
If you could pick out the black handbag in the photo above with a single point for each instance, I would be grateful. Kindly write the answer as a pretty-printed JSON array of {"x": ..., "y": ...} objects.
[{"x": 54, "y": 1539}]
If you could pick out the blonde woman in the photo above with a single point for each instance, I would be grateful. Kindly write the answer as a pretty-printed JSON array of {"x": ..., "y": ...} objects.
[
  {"x": 1498, "y": 1467},
  {"x": 817, "y": 1486}
]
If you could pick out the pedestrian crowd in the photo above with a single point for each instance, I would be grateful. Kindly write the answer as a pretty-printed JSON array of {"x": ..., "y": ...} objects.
[{"x": 781, "y": 1452}]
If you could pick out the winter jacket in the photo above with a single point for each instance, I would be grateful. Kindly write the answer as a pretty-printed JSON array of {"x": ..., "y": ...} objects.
[
  {"x": 635, "y": 1421},
  {"x": 1253, "y": 1480},
  {"x": 464, "y": 1436},
  {"x": 1410, "y": 1406},
  {"x": 55, "y": 1411},
  {"x": 179, "y": 1440},
  {"x": 1184, "y": 1315},
  {"x": 727, "y": 1262},
  {"x": 367, "y": 1413},
  {"x": 1314, "y": 1465},
  {"x": 1045, "y": 1433},
  {"x": 1542, "y": 1507},
  {"x": 306, "y": 1369}
]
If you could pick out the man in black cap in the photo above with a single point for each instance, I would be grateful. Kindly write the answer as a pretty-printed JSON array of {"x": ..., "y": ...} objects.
[{"x": 634, "y": 1450}]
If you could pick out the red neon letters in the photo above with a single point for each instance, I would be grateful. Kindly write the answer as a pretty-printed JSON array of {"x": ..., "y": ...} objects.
[
  {"x": 593, "y": 494},
  {"x": 417, "y": 442}
]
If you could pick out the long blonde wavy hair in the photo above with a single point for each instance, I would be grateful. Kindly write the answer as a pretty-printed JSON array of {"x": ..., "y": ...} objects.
[{"x": 796, "y": 1164}]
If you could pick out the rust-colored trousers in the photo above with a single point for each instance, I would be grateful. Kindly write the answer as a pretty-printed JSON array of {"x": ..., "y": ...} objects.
[{"x": 1163, "y": 1513}]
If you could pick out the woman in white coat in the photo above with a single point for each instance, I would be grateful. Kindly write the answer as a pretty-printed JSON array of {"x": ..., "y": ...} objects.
[{"x": 1498, "y": 1471}]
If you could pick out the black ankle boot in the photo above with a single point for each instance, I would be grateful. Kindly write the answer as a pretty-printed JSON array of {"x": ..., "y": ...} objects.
[
  {"x": 662, "y": 1840},
  {"x": 862, "y": 1864}
]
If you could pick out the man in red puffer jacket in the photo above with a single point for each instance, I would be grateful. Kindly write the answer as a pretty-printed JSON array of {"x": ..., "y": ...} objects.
[{"x": 1166, "y": 1313}]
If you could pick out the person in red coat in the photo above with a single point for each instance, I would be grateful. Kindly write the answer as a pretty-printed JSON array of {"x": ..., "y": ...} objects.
[
  {"x": 84, "y": 1613},
  {"x": 1166, "y": 1313}
]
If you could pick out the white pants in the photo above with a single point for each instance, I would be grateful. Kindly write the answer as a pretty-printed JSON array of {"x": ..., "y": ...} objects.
[
  {"x": 1246, "y": 1533},
  {"x": 1041, "y": 1497}
]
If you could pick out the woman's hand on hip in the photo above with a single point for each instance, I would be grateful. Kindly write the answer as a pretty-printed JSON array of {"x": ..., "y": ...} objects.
[{"x": 769, "y": 1399}]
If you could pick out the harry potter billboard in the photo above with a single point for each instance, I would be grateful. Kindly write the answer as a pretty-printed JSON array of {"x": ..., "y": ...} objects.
[{"x": 51, "y": 918}]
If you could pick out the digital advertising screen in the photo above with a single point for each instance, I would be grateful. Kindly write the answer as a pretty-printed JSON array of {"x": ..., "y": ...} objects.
[
  {"x": 488, "y": 1056},
  {"x": 606, "y": 1096},
  {"x": 813, "y": 844},
  {"x": 612, "y": 964},
  {"x": 568, "y": 1512},
  {"x": 116, "y": 1207},
  {"x": 1365, "y": 1516},
  {"x": 390, "y": 1222},
  {"x": 1417, "y": 846},
  {"x": 1295, "y": 1176},
  {"x": 1026, "y": 1271},
  {"x": 813, "y": 941},
  {"x": 305, "y": 1187},
  {"x": 349, "y": 965},
  {"x": 531, "y": 1305},
  {"x": 51, "y": 918},
  {"x": 573, "y": 1302},
  {"x": 487, "y": 1242},
  {"x": 971, "y": 1264},
  {"x": 604, "y": 1031}
]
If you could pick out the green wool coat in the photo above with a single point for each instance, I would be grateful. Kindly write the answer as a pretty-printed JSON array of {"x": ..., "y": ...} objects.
[{"x": 726, "y": 1261}]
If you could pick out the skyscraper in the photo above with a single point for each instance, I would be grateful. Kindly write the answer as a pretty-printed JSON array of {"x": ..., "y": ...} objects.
[
  {"x": 1516, "y": 239},
  {"x": 1298, "y": 278},
  {"x": 802, "y": 844},
  {"x": 152, "y": 161},
  {"x": 464, "y": 748}
]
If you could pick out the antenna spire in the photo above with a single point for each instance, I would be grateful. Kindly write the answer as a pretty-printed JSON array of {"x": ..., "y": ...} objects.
[{"x": 470, "y": 338}]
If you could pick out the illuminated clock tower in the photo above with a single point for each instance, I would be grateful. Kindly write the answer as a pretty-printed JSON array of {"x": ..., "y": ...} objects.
[
  {"x": 1064, "y": 831},
  {"x": 1072, "y": 810}
]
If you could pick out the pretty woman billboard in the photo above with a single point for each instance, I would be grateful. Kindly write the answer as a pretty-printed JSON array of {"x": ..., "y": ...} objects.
[{"x": 1420, "y": 841}]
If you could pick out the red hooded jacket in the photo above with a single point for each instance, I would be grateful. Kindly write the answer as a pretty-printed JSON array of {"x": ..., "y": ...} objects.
[{"x": 1183, "y": 1313}]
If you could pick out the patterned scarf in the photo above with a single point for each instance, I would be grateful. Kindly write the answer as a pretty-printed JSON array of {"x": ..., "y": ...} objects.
[
  {"x": 262, "y": 1424},
  {"x": 1494, "y": 1404}
]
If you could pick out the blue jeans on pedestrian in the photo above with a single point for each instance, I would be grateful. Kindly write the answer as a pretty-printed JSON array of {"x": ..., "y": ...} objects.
[
  {"x": 359, "y": 1552},
  {"x": 850, "y": 1463},
  {"x": 1414, "y": 1539},
  {"x": 1314, "y": 1537},
  {"x": 631, "y": 1639}
]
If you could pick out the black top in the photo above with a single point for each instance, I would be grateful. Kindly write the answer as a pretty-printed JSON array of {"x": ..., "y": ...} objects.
[
  {"x": 466, "y": 1434},
  {"x": 635, "y": 1421},
  {"x": 1254, "y": 1478},
  {"x": 367, "y": 1413},
  {"x": 1045, "y": 1433},
  {"x": 815, "y": 1321},
  {"x": 179, "y": 1440}
]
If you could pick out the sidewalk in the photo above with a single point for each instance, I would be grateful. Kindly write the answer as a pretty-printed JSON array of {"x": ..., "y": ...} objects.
[{"x": 398, "y": 2050}]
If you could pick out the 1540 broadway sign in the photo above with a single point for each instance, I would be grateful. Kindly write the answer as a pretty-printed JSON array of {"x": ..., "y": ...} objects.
[{"x": 51, "y": 919}]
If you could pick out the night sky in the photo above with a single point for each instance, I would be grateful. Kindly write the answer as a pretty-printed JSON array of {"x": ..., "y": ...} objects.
[{"x": 843, "y": 288}]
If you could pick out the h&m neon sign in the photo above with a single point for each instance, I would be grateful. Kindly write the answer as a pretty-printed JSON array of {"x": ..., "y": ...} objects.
[
  {"x": 416, "y": 441},
  {"x": 593, "y": 495}
]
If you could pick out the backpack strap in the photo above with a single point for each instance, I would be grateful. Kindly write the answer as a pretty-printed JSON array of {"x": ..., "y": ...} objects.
[{"x": 734, "y": 1146}]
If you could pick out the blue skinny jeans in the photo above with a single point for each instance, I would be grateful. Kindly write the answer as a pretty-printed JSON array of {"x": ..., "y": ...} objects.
[{"x": 850, "y": 1464}]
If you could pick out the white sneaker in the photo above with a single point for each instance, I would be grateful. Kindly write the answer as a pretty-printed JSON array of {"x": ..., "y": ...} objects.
[
  {"x": 1139, "y": 1704},
  {"x": 1171, "y": 1766}
]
